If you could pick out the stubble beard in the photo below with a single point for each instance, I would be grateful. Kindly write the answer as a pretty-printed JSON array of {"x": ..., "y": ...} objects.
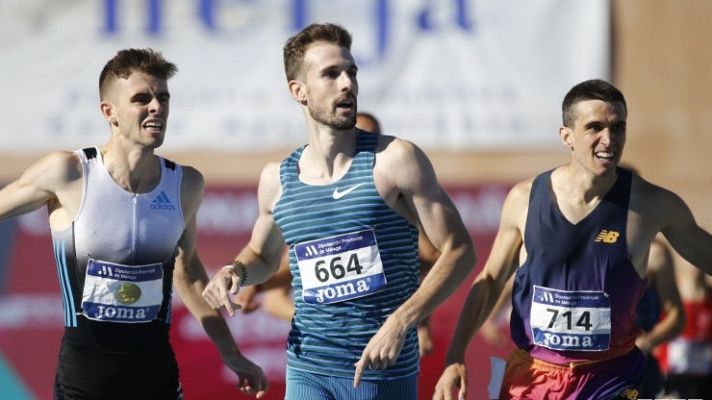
[{"x": 332, "y": 120}]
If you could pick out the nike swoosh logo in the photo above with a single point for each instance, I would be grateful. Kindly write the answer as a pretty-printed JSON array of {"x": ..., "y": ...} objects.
[{"x": 337, "y": 194}]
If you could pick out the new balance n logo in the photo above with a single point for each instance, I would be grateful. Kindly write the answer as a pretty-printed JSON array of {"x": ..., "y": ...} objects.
[
  {"x": 607, "y": 236},
  {"x": 631, "y": 394},
  {"x": 162, "y": 202}
]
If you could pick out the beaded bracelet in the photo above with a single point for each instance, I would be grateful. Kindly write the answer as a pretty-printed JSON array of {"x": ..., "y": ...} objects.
[{"x": 241, "y": 270}]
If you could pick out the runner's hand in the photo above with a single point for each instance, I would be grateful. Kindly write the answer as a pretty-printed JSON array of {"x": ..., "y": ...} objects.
[
  {"x": 250, "y": 378},
  {"x": 383, "y": 349},
  {"x": 221, "y": 286},
  {"x": 246, "y": 299},
  {"x": 454, "y": 377},
  {"x": 425, "y": 340}
]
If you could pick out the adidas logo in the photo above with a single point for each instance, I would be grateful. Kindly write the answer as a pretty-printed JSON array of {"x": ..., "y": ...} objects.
[{"x": 162, "y": 202}]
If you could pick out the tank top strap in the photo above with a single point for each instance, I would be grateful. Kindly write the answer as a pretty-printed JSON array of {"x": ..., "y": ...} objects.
[
  {"x": 289, "y": 167},
  {"x": 620, "y": 192},
  {"x": 540, "y": 188}
]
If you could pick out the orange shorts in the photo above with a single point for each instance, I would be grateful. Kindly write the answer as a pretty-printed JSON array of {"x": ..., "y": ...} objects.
[{"x": 531, "y": 379}]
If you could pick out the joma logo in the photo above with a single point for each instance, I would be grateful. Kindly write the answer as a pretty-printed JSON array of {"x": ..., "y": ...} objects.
[
  {"x": 342, "y": 290},
  {"x": 121, "y": 313},
  {"x": 564, "y": 341}
]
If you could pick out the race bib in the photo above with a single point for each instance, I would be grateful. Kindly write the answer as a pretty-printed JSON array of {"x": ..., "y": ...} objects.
[
  {"x": 122, "y": 293},
  {"x": 340, "y": 268},
  {"x": 690, "y": 357},
  {"x": 571, "y": 320}
]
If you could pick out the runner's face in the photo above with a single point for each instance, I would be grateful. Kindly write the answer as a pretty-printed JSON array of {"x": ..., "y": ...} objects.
[
  {"x": 140, "y": 106},
  {"x": 598, "y": 135},
  {"x": 330, "y": 84}
]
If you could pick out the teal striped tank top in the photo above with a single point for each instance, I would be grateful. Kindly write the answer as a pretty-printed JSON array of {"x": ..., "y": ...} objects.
[{"x": 354, "y": 262}]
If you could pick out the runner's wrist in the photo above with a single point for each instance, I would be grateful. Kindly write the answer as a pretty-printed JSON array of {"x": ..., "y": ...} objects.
[
  {"x": 239, "y": 269},
  {"x": 227, "y": 348},
  {"x": 424, "y": 323},
  {"x": 455, "y": 354},
  {"x": 403, "y": 320},
  {"x": 454, "y": 358}
]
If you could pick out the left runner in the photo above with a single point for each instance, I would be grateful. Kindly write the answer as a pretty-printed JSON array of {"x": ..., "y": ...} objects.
[{"x": 124, "y": 233}]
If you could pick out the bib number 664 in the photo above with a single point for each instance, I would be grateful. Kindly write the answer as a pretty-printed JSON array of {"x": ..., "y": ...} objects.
[{"x": 335, "y": 269}]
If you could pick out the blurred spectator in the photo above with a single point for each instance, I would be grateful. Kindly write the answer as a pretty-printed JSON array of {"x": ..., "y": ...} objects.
[{"x": 687, "y": 360}]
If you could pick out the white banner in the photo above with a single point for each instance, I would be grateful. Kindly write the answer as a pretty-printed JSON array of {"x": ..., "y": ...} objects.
[{"x": 447, "y": 74}]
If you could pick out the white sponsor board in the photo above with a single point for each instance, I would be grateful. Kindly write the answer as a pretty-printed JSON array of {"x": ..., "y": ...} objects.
[{"x": 446, "y": 74}]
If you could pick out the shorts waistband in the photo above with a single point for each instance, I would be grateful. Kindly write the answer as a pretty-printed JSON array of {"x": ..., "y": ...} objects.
[{"x": 572, "y": 366}]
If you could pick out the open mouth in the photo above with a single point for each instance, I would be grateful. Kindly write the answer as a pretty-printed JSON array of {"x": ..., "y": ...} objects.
[
  {"x": 153, "y": 126},
  {"x": 346, "y": 104},
  {"x": 605, "y": 155}
]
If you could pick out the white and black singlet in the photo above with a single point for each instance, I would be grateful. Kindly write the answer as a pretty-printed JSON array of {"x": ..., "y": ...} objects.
[{"x": 115, "y": 268}]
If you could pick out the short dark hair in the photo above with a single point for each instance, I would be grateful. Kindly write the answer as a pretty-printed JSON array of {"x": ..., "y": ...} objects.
[
  {"x": 128, "y": 61},
  {"x": 297, "y": 45},
  {"x": 594, "y": 89}
]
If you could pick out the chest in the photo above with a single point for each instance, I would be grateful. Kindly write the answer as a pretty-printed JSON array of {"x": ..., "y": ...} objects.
[
  {"x": 307, "y": 212},
  {"x": 575, "y": 211},
  {"x": 597, "y": 240},
  {"x": 114, "y": 225}
]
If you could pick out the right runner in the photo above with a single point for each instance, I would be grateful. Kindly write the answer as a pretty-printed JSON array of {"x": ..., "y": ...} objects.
[{"x": 586, "y": 229}]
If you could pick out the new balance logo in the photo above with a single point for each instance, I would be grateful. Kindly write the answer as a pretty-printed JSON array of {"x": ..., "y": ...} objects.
[
  {"x": 337, "y": 194},
  {"x": 631, "y": 394},
  {"x": 607, "y": 236},
  {"x": 162, "y": 202}
]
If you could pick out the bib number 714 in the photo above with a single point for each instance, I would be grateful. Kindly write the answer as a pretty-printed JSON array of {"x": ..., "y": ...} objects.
[{"x": 584, "y": 320}]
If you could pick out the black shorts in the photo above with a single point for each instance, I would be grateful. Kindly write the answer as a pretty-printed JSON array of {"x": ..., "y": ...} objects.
[{"x": 85, "y": 373}]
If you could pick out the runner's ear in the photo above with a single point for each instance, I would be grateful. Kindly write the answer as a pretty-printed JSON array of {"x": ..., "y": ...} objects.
[
  {"x": 567, "y": 137},
  {"x": 298, "y": 91},
  {"x": 107, "y": 110}
]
